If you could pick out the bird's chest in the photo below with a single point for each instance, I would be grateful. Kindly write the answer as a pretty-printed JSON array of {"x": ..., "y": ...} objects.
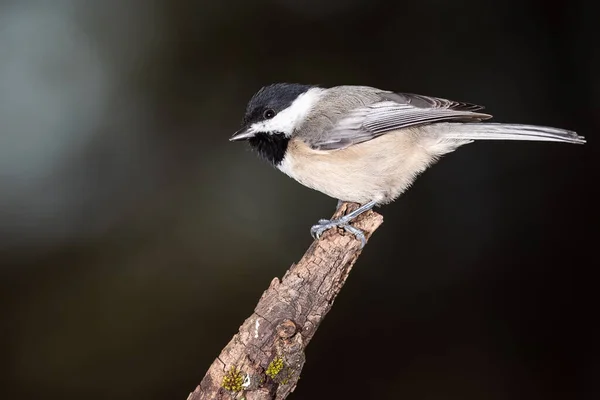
[{"x": 378, "y": 170}]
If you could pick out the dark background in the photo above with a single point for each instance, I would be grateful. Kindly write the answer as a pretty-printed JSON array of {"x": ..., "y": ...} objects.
[{"x": 134, "y": 238}]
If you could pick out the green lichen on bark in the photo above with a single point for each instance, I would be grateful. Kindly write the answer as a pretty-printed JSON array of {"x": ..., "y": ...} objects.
[
  {"x": 279, "y": 371},
  {"x": 233, "y": 380},
  {"x": 275, "y": 367}
]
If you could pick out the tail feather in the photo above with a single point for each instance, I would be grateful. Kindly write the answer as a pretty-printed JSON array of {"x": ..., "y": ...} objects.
[{"x": 498, "y": 131}]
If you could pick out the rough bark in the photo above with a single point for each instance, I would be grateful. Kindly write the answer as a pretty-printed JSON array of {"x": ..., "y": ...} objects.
[{"x": 264, "y": 359}]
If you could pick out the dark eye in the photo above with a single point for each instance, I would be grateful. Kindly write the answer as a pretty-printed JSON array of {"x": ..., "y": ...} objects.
[{"x": 268, "y": 114}]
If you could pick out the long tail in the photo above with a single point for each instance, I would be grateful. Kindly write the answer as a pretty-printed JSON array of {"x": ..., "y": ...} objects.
[{"x": 496, "y": 131}]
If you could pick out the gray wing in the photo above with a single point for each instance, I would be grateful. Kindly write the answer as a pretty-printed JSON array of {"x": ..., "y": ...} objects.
[{"x": 394, "y": 111}]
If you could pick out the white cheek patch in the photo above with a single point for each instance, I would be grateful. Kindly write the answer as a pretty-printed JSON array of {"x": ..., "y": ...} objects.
[{"x": 286, "y": 121}]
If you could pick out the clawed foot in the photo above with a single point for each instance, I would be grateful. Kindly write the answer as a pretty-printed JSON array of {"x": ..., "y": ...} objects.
[
  {"x": 344, "y": 222},
  {"x": 324, "y": 224}
]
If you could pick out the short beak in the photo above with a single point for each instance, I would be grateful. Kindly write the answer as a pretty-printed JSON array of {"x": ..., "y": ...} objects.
[{"x": 242, "y": 134}]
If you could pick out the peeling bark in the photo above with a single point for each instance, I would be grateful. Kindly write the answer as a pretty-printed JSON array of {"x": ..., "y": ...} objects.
[{"x": 264, "y": 359}]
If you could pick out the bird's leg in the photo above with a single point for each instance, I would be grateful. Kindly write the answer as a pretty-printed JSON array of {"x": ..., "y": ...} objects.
[{"x": 343, "y": 222}]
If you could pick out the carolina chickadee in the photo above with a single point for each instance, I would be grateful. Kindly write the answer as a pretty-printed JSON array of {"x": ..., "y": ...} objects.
[{"x": 365, "y": 145}]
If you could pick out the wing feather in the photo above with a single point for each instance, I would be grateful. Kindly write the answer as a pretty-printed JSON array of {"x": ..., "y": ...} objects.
[{"x": 395, "y": 111}]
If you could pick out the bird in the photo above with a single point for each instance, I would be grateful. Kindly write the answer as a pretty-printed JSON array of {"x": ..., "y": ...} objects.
[{"x": 366, "y": 145}]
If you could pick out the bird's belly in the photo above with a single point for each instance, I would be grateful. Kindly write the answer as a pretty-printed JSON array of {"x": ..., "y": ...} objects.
[{"x": 378, "y": 170}]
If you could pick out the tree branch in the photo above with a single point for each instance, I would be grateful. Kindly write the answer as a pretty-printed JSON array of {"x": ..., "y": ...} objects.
[{"x": 264, "y": 359}]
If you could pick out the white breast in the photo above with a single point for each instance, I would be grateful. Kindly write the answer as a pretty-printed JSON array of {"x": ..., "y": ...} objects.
[{"x": 380, "y": 169}]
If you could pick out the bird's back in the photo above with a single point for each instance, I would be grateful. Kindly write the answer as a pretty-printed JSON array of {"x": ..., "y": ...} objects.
[{"x": 334, "y": 104}]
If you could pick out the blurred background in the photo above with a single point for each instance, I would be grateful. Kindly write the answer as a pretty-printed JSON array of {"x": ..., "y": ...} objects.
[{"x": 135, "y": 239}]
